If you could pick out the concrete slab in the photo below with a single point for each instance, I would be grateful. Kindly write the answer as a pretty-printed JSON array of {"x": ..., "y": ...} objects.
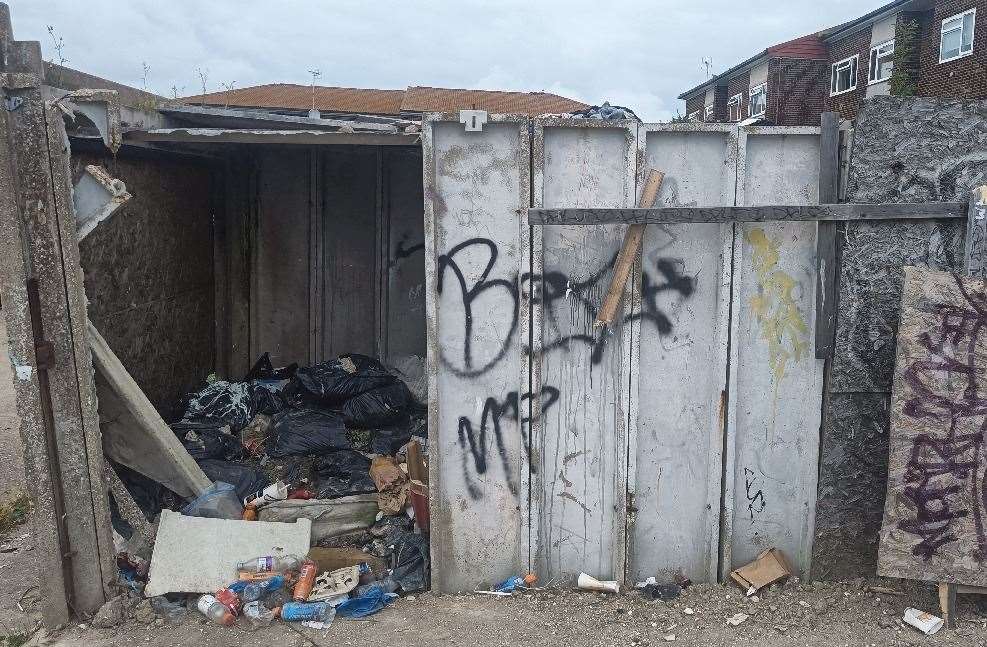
[{"x": 196, "y": 555}]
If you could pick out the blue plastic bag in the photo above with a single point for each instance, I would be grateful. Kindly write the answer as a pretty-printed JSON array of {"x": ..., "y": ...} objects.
[{"x": 367, "y": 604}]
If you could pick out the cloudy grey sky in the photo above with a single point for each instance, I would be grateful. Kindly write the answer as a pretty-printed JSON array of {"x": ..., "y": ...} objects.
[{"x": 637, "y": 53}]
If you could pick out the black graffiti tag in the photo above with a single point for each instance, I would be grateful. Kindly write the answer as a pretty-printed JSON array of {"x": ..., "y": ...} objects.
[
  {"x": 940, "y": 466},
  {"x": 469, "y": 294},
  {"x": 756, "y": 503},
  {"x": 474, "y": 442}
]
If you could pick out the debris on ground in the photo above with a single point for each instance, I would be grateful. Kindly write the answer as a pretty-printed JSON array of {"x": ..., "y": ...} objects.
[
  {"x": 311, "y": 512},
  {"x": 769, "y": 567},
  {"x": 923, "y": 621},
  {"x": 590, "y": 583}
]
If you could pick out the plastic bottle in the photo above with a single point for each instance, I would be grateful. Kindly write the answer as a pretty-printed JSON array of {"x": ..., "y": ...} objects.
[
  {"x": 256, "y": 590},
  {"x": 258, "y": 615},
  {"x": 306, "y": 580},
  {"x": 276, "y": 599},
  {"x": 269, "y": 564},
  {"x": 299, "y": 611},
  {"x": 213, "y": 609},
  {"x": 230, "y": 600},
  {"x": 250, "y": 513}
]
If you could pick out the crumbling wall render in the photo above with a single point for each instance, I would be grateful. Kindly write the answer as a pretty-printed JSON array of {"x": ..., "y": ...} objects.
[{"x": 904, "y": 150}]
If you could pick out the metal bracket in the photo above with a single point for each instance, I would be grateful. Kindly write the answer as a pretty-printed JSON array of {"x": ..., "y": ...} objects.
[
  {"x": 473, "y": 119},
  {"x": 12, "y": 103}
]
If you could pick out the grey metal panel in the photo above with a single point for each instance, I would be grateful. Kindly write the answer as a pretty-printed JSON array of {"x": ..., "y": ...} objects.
[
  {"x": 579, "y": 462},
  {"x": 476, "y": 188},
  {"x": 775, "y": 380},
  {"x": 279, "y": 280},
  {"x": 683, "y": 361},
  {"x": 405, "y": 253}
]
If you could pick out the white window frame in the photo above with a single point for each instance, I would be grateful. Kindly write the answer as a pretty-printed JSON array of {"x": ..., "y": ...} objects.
[
  {"x": 973, "y": 37},
  {"x": 736, "y": 100},
  {"x": 873, "y": 65},
  {"x": 761, "y": 87},
  {"x": 693, "y": 116},
  {"x": 708, "y": 113},
  {"x": 854, "y": 63}
]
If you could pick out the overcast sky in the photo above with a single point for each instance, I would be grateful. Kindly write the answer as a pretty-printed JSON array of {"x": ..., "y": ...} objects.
[{"x": 641, "y": 54}]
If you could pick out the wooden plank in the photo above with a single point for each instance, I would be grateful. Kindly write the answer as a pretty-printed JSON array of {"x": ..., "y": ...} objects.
[
  {"x": 128, "y": 508},
  {"x": 628, "y": 252},
  {"x": 170, "y": 463},
  {"x": 947, "y": 603},
  {"x": 975, "y": 259},
  {"x": 823, "y": 212},
  {"x": 826, "y": 288},
  {"x": 933, "y": 519}
]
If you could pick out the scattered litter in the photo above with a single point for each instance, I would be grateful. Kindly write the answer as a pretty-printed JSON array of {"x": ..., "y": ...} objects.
[
  {"x": 364, "y": 605},
  {"x": 769, "y": 567},
  {"x": 670, "y": 638},
  {"x": 688, "y": 611},
  {"x": 664, "y": 592},
  {"x": 590, "y": 583},
  {"x": 330, "y": 518},
  {"x": 220, "y": 501},
  {"x": 737, "y": 619},
  {"x": 392, "y": 484},
  {"x": 924, "y": 622}
]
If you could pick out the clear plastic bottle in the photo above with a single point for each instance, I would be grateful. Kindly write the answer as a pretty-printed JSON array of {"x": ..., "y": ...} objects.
[
  {"x": 256, "y": 590},
  {"x": 213, "y": 609},
  {"x": 270, "y": 564},
  {"x": 258, "y": 615}
]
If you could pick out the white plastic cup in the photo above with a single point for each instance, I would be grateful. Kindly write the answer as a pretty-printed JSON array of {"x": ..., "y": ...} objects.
[
  {"x": 590, "y": 583},
  {"x": 924, "y": 622}
]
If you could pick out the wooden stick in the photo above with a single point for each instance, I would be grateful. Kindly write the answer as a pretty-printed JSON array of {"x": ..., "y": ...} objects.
[
  {"x": 628, "y": 252},
  {"x": 947, "y": 603}
]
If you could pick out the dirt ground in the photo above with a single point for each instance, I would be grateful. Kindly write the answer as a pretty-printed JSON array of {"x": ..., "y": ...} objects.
[
  {"x": 816, "y": 614},
  {"x": 813, "y": 615}
]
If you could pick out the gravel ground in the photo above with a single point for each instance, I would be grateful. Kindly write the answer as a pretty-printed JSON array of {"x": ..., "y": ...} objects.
[{"x": 794, "y": 614}]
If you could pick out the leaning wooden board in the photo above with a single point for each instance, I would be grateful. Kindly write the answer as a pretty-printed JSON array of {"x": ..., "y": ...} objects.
[{"x": 935, "y": 519}]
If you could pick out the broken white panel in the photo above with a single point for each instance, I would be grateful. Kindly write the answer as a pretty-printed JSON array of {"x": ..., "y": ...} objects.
[
  {"x": 96, "y": 196},
  {"x": 775, "y": 378},
  {"x": 197, "y": 555},
  {"x": 684, "y": 331},
  {"x": 580, "y": 435}
]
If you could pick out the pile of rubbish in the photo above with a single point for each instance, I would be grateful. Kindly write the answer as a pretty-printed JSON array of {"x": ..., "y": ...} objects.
[{"x": 334, "y": 453}]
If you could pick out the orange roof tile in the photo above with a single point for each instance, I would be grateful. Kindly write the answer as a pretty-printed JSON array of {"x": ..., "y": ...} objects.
[{"x": 370, "y": 101}]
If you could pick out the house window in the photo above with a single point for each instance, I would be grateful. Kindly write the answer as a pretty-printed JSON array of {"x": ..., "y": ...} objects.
[
  {"x": 759, "y": 100},
  {"x": 957, "y": 36},
  {"x": 844, "y": 76},
  {"x": 694, "y": 116},
  {"x": 734, "y": 107},
  {"x": 881, "y": 62},
  {"x": 708, "y": 115}
]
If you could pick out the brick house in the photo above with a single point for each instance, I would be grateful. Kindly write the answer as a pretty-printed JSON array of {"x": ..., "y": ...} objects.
[{"x": 934, "y": 48}]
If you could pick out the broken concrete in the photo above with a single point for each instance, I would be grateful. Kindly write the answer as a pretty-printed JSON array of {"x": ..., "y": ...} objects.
[{"x": 196, "y": 555}]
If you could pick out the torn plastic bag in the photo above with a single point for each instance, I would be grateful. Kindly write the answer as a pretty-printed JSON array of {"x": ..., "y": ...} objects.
[
  {"x": 344, "y": 473},
  {"x": 378, "y": 407},
  {"x": 338, "y": 380},
  {"x": 205, "y": 440},
  {"x": 228, "y": 403},
  {"x": 267, "y": 396},
  {"x": 411, "y": 570},
  {"x": 297, "y": 432},
  {"x": 388, "y": 440},
  {"x": 264, "y": 370},
  {"x": 369, "y": 603},
  {"x": 220, "y": 501},
  {"x": 244, "y": 479}
]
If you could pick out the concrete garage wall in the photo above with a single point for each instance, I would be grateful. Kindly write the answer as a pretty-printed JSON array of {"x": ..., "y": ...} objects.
[
  {"x": 149, "y": 272},
  {"x": 904, "y": 150}
]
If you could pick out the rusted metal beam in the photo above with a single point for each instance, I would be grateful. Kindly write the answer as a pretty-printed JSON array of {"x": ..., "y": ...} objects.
[{"x": 822, "y": 212}]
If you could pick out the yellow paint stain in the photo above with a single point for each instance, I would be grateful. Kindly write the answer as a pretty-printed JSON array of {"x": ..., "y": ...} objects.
[{"x": 782, "y": 325}]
